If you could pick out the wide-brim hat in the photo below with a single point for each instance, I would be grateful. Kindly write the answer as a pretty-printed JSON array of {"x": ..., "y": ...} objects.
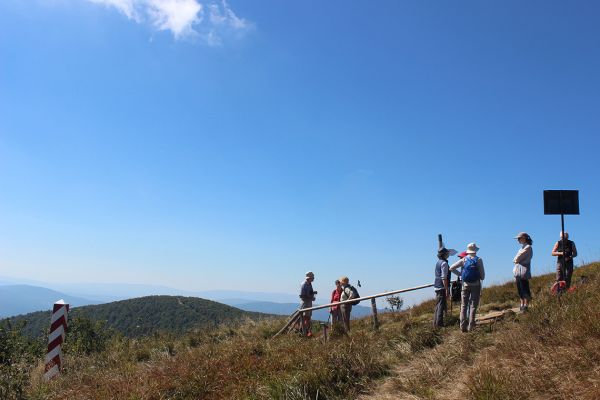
[
  {"x": 472, "y": 248},
  {"x": 450, "y": 252}
]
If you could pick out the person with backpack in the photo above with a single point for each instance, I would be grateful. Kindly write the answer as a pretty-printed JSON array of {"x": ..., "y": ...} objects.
[
  {"x": 472, "y": 275},
  {"x": 564, "y": 259},
  {"x": 348, "y": 292},
  {"x": 441, "y": 287},
  {"x": 522, "y": 268}
]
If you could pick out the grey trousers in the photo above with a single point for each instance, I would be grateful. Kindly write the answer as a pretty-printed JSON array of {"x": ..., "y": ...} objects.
[
  {"x": 346, "y": 309},
  {"x": 440, "y": 308},
  {"x": 470, "y": 296}
]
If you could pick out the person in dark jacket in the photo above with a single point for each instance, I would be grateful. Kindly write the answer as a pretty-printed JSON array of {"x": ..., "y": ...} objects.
[
  {"x": 441, "y": 287},
  {"x": 564, "y": 258},
  {"x": 307, "y": 296}
]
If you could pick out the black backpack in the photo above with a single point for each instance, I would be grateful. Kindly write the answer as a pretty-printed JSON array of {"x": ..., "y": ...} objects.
[
  {"x": 354, "y": 295},
  {"x": 455, "y": 289}
]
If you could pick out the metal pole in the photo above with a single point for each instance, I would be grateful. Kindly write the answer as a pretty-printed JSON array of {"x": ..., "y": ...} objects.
[{"x": 563, "y": 265}]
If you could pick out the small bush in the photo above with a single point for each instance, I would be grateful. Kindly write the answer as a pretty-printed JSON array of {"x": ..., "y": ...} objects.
[{"x": 17, "y": 358}]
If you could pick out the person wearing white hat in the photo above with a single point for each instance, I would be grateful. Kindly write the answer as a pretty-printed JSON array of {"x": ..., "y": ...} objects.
[
  {"x": 472, "y": 275},
  {"x": 307, "y": 295}
]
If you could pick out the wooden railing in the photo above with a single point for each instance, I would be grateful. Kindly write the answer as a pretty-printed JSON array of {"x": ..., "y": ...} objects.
[{"x": 296, "y": 315}]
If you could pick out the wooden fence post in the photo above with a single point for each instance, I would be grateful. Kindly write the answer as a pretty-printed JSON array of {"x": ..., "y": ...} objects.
[{"x": 374, "y": 309}]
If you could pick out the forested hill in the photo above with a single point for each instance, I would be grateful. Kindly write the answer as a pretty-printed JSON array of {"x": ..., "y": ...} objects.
[{"x": 147, "y": 315}]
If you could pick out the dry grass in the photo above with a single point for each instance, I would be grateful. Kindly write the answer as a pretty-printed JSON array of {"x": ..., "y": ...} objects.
[
  {"x": 239, "y": 364},
  {"x": 553, "y": 352}
]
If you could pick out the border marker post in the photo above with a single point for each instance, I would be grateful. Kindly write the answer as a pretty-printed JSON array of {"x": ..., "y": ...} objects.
[{"x": 56, "y": 337}]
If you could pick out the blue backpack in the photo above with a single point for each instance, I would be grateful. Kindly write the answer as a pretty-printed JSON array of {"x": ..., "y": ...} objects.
[{"x": 470, "y": 272}]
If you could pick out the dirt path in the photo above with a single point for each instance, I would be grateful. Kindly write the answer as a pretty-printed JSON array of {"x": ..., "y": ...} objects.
[
  {"x": 436, "y": 373},
  {"x": 406, "y": 375}
]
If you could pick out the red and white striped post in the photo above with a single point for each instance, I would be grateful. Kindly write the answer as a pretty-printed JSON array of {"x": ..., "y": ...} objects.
[{"x": 58, "y": 329}]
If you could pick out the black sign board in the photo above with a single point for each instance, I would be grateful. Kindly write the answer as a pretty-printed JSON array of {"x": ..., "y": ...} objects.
[{"x": 561, "y": 202}]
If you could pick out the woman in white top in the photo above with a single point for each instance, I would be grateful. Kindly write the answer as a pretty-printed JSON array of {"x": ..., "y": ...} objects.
[{"x": 522, "y": 269}]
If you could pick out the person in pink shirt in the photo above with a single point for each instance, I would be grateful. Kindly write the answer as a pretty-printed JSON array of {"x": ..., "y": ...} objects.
[{"x": 336, "y": 315}]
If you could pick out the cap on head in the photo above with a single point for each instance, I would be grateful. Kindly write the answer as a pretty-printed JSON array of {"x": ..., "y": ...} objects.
[
  {"x": 310, "y": 274},
  {"x": 524, "y": 235},
  {"x": 472, "y": 248}
]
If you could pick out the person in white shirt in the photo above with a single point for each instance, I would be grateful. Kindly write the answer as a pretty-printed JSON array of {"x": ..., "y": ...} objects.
[{"x": 522, "y": 268}]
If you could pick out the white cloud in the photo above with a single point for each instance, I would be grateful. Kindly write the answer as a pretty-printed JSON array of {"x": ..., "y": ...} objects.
[
  {"x": 183, "y": 18},
  {"x": 178, "y": 16}
]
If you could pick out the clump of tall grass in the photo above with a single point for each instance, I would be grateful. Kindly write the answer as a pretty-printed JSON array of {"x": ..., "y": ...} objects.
[{"x": 553, "y": 351}]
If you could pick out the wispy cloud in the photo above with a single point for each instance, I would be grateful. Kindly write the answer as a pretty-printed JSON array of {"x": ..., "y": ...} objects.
[{"x": 183, "y": 18}]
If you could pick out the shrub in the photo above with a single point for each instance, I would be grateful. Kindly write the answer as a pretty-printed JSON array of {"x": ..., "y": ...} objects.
[{"x": 17, "y": 358}]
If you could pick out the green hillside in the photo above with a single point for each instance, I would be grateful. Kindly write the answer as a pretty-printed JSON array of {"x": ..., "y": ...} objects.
[{"x": 147, "y": 315}]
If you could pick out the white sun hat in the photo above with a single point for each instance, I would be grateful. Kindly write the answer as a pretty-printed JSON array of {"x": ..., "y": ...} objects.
[{"x": 472, "y": 248}]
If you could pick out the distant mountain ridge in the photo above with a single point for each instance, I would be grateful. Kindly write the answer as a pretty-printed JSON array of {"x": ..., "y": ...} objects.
[
  {"x": 108, "y": 292},
  {"x": 147, "y": 315},
  {"x": 21, "y": 299}
]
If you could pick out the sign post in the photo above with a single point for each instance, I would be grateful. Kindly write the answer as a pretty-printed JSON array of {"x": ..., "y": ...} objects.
[{"x": 561, "y": 202}]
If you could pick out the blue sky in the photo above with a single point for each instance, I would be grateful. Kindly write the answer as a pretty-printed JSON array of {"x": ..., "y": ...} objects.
[{"x": 236, "y": 145}]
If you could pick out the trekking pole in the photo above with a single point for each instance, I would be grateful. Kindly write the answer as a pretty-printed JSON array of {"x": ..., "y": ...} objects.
[{"x": 451, "y": 301}]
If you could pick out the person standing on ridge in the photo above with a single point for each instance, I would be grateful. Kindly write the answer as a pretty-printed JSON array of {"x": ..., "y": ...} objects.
[
  {"x": 336, "y": 315},
  {"x": 307, "y": 295},
  {"x": 522, "y": 269},
  {"x": 346, "y": 309},
  {"x": 564, "y": 260},
  {"x": 441, "y": 287},
  {"x": 472, "y": 275}
]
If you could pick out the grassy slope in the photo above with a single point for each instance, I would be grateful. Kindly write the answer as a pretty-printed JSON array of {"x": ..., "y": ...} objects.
[
  {"x": 553, "y": 351},
  {"x": 513, "y": 359}
]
